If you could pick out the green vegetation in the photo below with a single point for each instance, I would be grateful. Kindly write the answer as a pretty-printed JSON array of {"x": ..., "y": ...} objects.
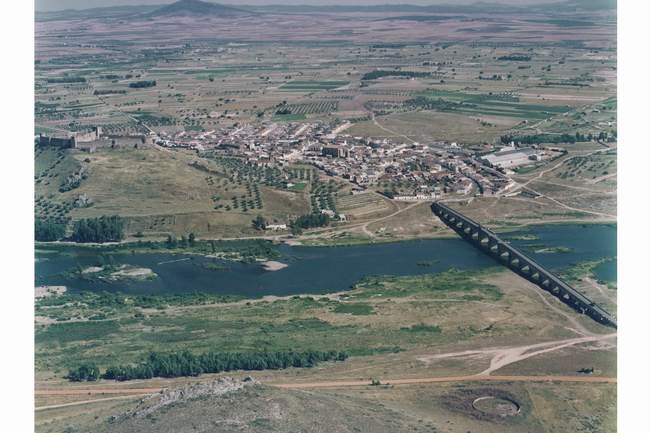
[
  {"x": 142, "y": 84},
  {"x": 300, "y": 186},
  {"x": 152, "y": 119},
  {"x": 288, "y": 117},
  {"x": 112, "y": 329},
  {"x": 524, "y": 237},
  {"x": 516, "y": 58},
  {"x": 581, "y": 270},
  {"x": 307, "y": 108},
  {"x": 102, "y": 229},
  {"x": 63, "y": 333},
  {"x": 66, "y": 80},
  {"x": 436, "y": 104},
  {"x": 85, "y": 305},
  {"x": 310, "y": 221},
  {"x": 187, "y": 364},
  {"x": 245, "y": 250},
  {"x": 48, "y": 230},
  {"x": 260, "y": 222},
  {"x": 312, "y": 85},
  {"x": 100, "y": 92},
  {"x": 323, "y": 195},
  {"x": 374, "y": 75},
  {"x": 354, "y": 309},
  {"x": 497, "y": 104},
  {"x": 546, "y": 138},
  {"x": 421, "y": 327},
  {"x": 590, "y": 166},
  {"x": 84, "y": 373},
  {"x": 540, "y": 249},
  {"x": 441, "y": 285}
]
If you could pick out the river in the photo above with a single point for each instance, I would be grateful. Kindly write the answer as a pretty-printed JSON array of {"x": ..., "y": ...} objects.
[{"x": 328, "y": 269}]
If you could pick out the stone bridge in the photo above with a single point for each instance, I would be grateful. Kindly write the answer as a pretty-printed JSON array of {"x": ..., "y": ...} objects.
[{"x": 490, "y": 243}]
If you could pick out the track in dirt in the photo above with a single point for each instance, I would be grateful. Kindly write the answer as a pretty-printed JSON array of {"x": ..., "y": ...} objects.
[
  {"x": 350, "y": 383},
  {"x": 126, "y": 393},
  {"x": 443, "y": 379}
]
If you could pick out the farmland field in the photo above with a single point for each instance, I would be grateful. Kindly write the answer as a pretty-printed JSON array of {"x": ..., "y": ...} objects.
[{"x": 312, "y": 85}]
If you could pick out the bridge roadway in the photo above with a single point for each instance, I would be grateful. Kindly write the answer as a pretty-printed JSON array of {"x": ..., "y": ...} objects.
[{"x": 489, "y": 242}]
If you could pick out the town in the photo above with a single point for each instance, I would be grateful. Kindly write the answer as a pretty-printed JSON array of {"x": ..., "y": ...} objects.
[{"x": 418, "y": 171}]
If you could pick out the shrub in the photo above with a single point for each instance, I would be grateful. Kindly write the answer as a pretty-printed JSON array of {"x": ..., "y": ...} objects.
[{"x": 85, "y": 372}]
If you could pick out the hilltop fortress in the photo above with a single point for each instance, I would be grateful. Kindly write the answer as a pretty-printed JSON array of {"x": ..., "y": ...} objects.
[
  {"x": 89, "y": 140},
  {"x": 71, "y": 140}
]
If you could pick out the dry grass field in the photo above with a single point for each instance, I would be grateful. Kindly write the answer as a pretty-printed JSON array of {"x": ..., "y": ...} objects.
[{"x": 414, "y": 327}]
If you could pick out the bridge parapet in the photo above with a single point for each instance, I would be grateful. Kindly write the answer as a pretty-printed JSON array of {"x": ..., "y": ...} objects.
[{"x": 506, "y": 254}]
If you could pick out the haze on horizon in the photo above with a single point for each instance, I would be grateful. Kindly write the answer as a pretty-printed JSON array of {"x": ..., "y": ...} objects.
[{"x": 56, "y": 5}]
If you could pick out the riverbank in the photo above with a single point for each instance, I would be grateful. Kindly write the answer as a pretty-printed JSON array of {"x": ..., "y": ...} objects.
[
  {"x": 324, "y": 239},
  {"x": 41, "y": 292}
]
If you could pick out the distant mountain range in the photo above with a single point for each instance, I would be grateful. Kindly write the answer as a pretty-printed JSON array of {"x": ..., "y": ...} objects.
[
  {"x": 450, "y": 7},
  {"x": 198, "y": 8}
]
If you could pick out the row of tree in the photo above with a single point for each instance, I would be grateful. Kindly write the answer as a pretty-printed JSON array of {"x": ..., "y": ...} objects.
[
  {"x": 102, "y": 229},
  {"x": 185, "y": 363},
  {"x": 47, "y": 230},
  {"x": 144, "y": 83},
  {"x": 299, "y": 224},
  {"x": 260, "y": 223},
  {"x": 311, "y": 220},
  {"x": 516, "y": 57},
  {"x": 65, "y": 80},
  {"x": 550, "y": 138},
  {"x": 382, "y": 73},
  {"x": 84, "y": 373},
  {"x": 183, "y": 242}
]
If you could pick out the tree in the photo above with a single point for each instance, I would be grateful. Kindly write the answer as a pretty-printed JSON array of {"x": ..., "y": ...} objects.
[
  {"x": 311, "y": 220},
  {"x": 85, "y": 372},
  {"x": 185, "y": 363},
  {"x": 102, "y": 229},
  {"x": 259, "y": 223},
  {"x": 48, "y": 230}
]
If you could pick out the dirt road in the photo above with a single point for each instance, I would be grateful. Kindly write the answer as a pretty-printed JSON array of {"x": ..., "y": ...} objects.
[
  {"x": 95, "y": 391},
  {"x": 97, "y": 400},
  {"x": 502, "y": 356},
  {"x": 134, "y": 392},
  {"x": 395, "y": 134},
  {"x": 423, "y": 380}
]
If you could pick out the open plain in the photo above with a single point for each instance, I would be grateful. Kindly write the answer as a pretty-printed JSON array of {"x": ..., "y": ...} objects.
[{"x": 230, "y": 133}]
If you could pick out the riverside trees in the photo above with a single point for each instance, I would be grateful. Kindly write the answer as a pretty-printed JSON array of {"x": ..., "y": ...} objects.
[
  {"x": 102, "y": 229},
  {"x": 185, "y": 363}
]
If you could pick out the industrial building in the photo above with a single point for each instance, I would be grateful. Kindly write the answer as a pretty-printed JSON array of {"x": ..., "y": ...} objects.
[{"x": 512, "y": 157}]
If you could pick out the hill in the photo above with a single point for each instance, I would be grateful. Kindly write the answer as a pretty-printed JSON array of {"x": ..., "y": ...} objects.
[
  {"x": 197, "y": 8},
  {"x": 232, "y": 405}
]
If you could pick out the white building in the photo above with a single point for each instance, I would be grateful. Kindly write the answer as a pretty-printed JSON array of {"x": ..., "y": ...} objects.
[
  {"x": 276, "y": 227},
  {"x": 512, "y": 157}
]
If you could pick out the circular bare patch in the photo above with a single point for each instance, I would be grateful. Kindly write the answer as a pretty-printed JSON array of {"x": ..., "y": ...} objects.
[{"x": 499, "y": 406}]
